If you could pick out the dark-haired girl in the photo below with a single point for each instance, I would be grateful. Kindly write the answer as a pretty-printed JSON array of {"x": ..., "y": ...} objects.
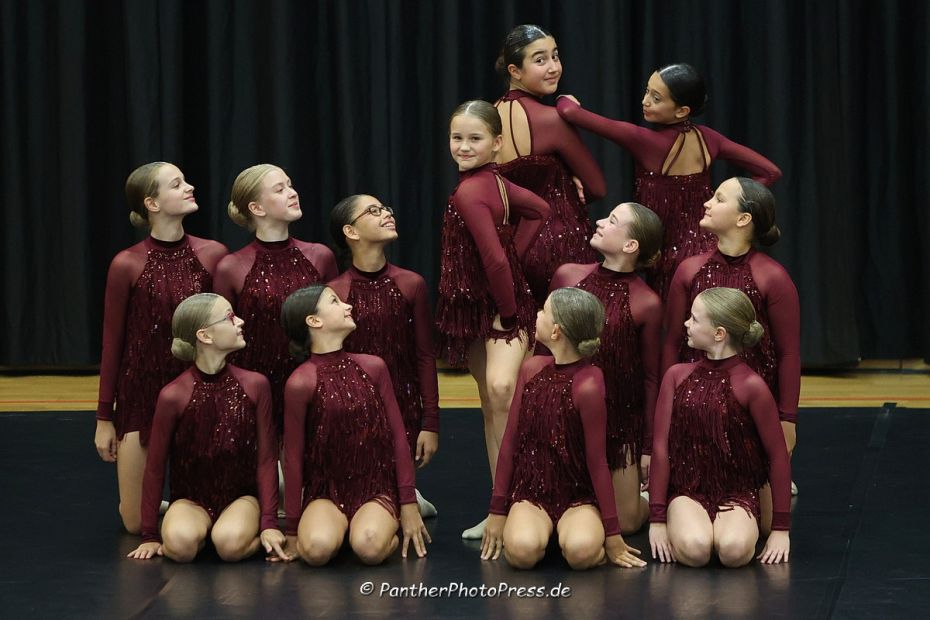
[
  {"x": 544, "y": 154},
  {"x": 144, "y": 285},
  {"x": 347, "y": 465},
  {"x": 485, "y": 310},
  {"x": 258, "y": 278},
  {"x": 673, "y": 160},
  {"x": 390, "y": 307},
  {"x": 213, "y": 423}
]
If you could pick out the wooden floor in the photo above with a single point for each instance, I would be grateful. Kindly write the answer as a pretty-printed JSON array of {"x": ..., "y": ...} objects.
[{"x": 873, "y": 383}]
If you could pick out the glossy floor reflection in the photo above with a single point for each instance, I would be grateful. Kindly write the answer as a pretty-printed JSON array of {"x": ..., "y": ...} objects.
[{"x": 859, "y": 542}]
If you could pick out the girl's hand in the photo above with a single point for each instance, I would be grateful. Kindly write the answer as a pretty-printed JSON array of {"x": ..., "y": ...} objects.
[
  {"x": 621, "y": 554},
  {"x": 105, "y": 440},
  {"x": 776, "y": 548},
  {"x": 412, "y": 524},
  {"x": 661, "y": 547},
  {"x": 492, "y": 542},
  {"x": 276, "y": 546},
  {"x": 146, "y": 551},
  {"x": 427, "y": 445}
]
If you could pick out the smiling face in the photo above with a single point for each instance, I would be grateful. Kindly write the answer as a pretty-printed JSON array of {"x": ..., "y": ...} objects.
[
  {"x": 722, "y": 211},
  {"x": 471, "y": 142},
  {"x": 175, "y": 195},
  {"x": 658, "y": 105},
  {"x": 612, "y": 235},
  {"x": 371, "y": 221},
  {"x": 332, "y": 315},
  {"x": 702, "y": 334},
  {"x": 223, "y": 328},
  {"x": 277, "y": 200},
  {"x": 540, "y": 70}
]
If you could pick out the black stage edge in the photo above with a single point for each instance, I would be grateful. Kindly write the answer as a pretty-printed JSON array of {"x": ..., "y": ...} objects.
[{"x": 859, "y": 543}]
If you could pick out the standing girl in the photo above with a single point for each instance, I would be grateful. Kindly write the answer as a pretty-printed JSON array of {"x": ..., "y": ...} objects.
[
  {"x": 673, "y": 159},
  {"x": 485, "y": 308},
  {"x": 552, "y": 470},
  {"x": 259, "y": 277},
  {"x": 144, "y": 285},
  {"x": 628, "y": 238},
  {"x": 544, "y": 154},
  {"x": 390, "y": 308},
  {"x": 717, "y": 441},
  {"x": 214, "y": 422},
  {"x": 347, "y": 465}
]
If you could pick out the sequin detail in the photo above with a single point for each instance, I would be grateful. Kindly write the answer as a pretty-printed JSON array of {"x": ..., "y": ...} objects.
[
  {"x": 715, "y": 453},
  {"x": 384, "y": 327},
  {"x": 620, "y": 359},
  {"x": 170, "y": 275},
  {"x": 349, "y": 449},
  {"x": 214, "y": 455},
  {"x": 275, "y": 274},
  {"x": 550, "y": 468},
  {"x": 465, "y": 309},
  {"x": 564, "y": 238},
  {"x": 718, "y": 271},
  {"x": 679, "y": 203}
]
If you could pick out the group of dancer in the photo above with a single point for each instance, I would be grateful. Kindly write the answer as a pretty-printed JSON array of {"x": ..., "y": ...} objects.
[{"x": 670, "y": 399}]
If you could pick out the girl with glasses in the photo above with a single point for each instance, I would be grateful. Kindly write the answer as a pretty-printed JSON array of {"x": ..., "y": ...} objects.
[
  {"x": 144, "y": 285},
  {"x": 390, "y": 307},
  {"x": 213, "y": 424}
]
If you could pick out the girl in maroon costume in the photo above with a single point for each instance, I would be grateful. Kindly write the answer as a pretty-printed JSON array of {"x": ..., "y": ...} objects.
[
  {"x": 628, "y": 238},
  {"x": 390, "y": 307},
  {"x": 552, "y": 467},
  {"x": 259, "y": 277},
  {"x": 673, "y": 160},
  {"x": 740, "y": 212},
  {"x": 716, "y": 442},
  {"x": 485, "y": 308},
  {"x": 545, "y": 154},
  {"x": 144, "y": 284},
  {"x": 215, "y": 422},
  {"x": 347, "y": 463}
]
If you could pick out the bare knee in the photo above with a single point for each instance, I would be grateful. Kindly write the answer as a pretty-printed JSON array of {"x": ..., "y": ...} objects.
[
  {"x": 582, "y": 552},
  {"x": 500, "y": 390},
  {"x": 370, "y": 546},
  {"x": 181, "y": 544},
  {"x": 522, "y": 551},
  {"x": 317, "y": 550},
  {"x": 232, "y": 543},
  {"x": 692, "y": 549},
  {"x": 132, "y": 518},
  {"x": 734, "y": 552},
  {"x": 631, "y": 521}
]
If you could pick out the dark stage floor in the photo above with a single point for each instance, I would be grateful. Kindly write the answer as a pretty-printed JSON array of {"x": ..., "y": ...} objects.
[{"x": 858, "y": 547}]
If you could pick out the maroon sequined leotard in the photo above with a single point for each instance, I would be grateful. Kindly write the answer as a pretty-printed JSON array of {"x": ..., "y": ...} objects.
[
  {"x": 777, "y": 357},
  {"x": 344, "y": 437},
  {"x": 553, "y": 453},
  {"x": 145, "y": 284},
  {"x": 480, "y": 274},
  {"x": 218, "y": 434},
  {"x": 628, "y": 355},
  {"x": 392, "y": 318},
  {"x": 677, "y": 199},
  {"x": 556, "y": 154},
  {"x": 718, "y": 440},
  {"x": 256, "y": 280}
]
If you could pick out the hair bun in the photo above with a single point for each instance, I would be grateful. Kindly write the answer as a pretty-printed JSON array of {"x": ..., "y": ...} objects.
[
  {"x": 589, "y": 347},
  {"x": 753, "y": 334},
  {"x": 137, "y": 220},
  {"x": 183, "y": 350},
  {"x": 238, "y": 217}
]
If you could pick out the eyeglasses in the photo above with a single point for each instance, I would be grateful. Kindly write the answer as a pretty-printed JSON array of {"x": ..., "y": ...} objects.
[
  {"x": 229, "y": 316},
  {"x": 373, "y": 210}
]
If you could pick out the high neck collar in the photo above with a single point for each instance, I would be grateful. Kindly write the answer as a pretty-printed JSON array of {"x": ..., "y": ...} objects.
[
  {"x": 370, "y": 275},
  {"x": 488, "y": 167},
  {"x": 168, "y": 245},
  {"x": 724, "y": 364},
  {"x": 332, "y": 356},
  {"x": 273, "y": 245},
  {"x": 207, "y": 377},
  {"x": 517, "y": 93},
  {"x": 614, "y": 275}
]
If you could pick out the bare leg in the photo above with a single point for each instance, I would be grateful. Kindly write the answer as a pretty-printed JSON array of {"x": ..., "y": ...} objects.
[
  {"x": 503, "y": 360},
  {"x": 632, "y": 508},
  {"x": 526, "y": 535},
  {"x": 184, "y": 530},
  {"x": 321, "y": 531},
  {"x": 235, "y": 533},
  {"x": 581, "y": 537},
  {"x": 477, "y": 366},
  {"x": 373, "y": 533},
  {"x": 765, "y": 504},
  {"x": 130, "y": 467},
  {"x": 690, "y": 531},
  {"x": 735, "y": 537}
]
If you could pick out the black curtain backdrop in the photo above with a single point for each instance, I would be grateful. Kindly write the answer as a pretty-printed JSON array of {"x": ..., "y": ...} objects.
[{"x": 354, "y": 96}]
